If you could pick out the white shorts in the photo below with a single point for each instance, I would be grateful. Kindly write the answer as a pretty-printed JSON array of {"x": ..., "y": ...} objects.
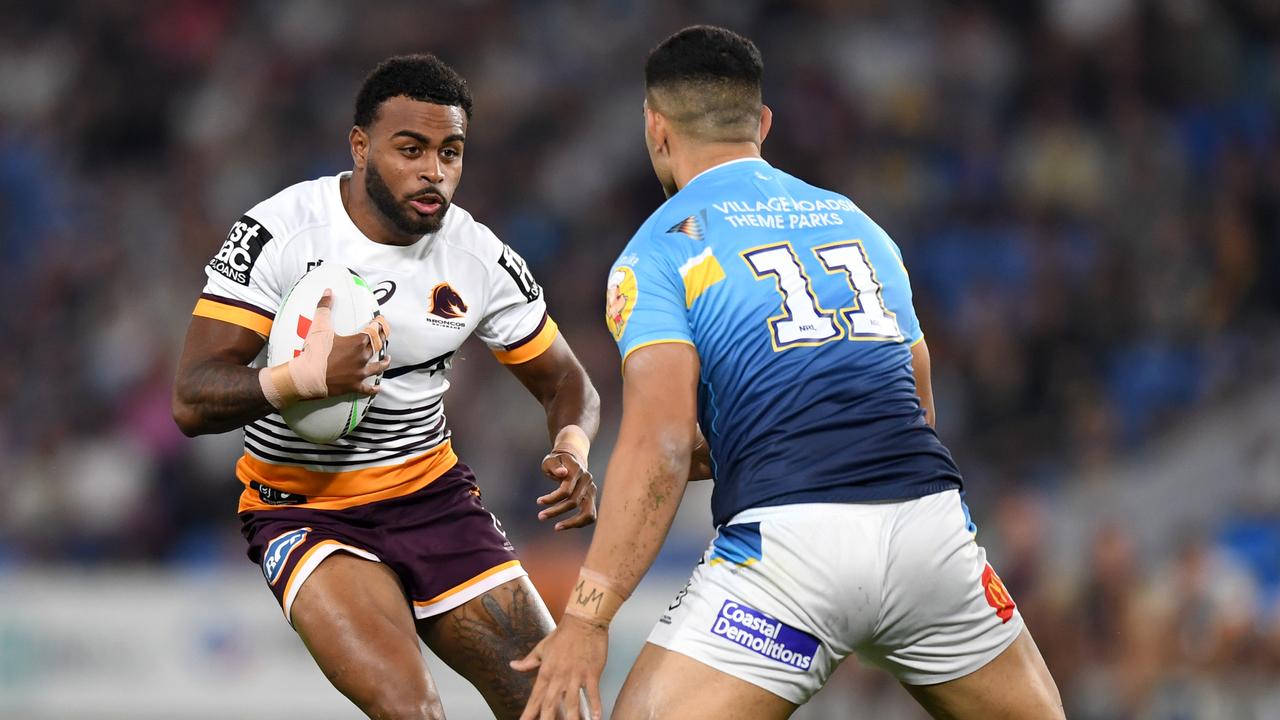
[{"x": 785, "y": 593}]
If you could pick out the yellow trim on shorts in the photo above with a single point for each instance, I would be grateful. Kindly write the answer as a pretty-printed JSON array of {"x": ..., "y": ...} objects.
[
  {"x": 247, "y": 319},
  {"x": 463, "y": 586},
  {"x": 720, "y": 561}
]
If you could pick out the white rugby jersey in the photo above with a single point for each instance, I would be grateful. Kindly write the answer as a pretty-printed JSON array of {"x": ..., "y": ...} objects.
[{"x": 434, "y": 294}]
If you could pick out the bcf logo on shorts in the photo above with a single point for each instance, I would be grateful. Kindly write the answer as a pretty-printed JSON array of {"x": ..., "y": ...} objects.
[{"x": 278, "y": 552}]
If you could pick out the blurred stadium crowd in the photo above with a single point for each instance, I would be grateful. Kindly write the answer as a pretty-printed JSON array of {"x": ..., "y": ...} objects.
[{"x": 1087, "y": 194}]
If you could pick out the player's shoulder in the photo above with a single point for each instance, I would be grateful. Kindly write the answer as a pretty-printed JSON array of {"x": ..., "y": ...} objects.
[
  {"x": 830, "y": 199},
  {"x": 666, "y": 233},
  {"x": 269, "y": 227},
  {"x": 814, "y": 198},
  {"x": 461, "y": 233},
  {"x": 296, "y": 208},
  {"x": 463, "y": 237}
]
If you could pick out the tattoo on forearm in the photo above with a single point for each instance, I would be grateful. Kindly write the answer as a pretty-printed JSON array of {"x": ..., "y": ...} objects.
[
  {"x": 587, "y": 599},
  {"x": 229, "y": 396}
]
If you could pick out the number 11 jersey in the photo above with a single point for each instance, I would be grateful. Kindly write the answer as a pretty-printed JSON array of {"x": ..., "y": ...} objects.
[{"x": 799, "y": 307}]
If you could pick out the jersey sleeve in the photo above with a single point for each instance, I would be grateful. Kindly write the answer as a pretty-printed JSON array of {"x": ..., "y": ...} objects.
[
  {"x": 515, "y": 326},
  {"x": 645, "y": 304},
  {"x": 897, "y": 297},
  {"x": 242, "y": 285}
]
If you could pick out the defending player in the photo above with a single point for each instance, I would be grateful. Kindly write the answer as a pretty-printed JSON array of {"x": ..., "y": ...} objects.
[
  {"x": 777, "y": 317},
  {"x": 380, "y": 538}
]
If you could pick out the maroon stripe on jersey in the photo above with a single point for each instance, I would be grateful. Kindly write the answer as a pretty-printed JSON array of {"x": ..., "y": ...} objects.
[
  {"x": 405, "y": 411},
  {"x": 525, "y": 340},
  {"x": 343, "y": 447},
  {"x": 266, "y": 454},
  {"x": 238, "y": 303},
  {"x": 391, "y": 437},
  {"x": 264, "y": 427}
]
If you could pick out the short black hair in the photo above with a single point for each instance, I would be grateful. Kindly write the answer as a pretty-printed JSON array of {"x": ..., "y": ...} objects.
[
  {"x": 422, "y": 77},
  {"x": 704, "y": 53},
  {"x": 707, "y": 80}
]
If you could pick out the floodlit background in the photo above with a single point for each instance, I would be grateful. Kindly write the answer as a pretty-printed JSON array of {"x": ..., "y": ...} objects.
[{"x": 1087, "y": 194}]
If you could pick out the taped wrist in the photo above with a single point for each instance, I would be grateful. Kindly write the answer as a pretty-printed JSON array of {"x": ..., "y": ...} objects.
[
  {"x": 594, "y": 598},
  {"x": 573, "y": 440},
  {"x": 302, "y": 378},
  {"x": 277, "y": 386}
]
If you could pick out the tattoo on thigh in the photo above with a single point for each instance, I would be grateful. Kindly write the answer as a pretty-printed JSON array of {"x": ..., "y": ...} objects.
[{"x": 486, "y": 636}]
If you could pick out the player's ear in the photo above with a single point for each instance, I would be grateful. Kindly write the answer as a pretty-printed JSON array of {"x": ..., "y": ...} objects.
[
  {"x": 359, "y": 146},
  {"x": 766, "y": 122},
  {"x": 655, "y": 126}
]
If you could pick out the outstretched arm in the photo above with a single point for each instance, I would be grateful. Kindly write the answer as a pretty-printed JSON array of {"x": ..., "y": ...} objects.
[
  {"x": 559, "y": 382},
  {"x": 647, "y": 474},
  {"x": 649, "y": 469}
]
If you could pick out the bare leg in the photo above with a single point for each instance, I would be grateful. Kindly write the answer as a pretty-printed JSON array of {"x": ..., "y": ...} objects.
[
  {"x": 665, "y": 684},
  {"x": 1014, "y": 686},
  {"x": 482, "y": 636},
  {"x": 353, "y": 617}
]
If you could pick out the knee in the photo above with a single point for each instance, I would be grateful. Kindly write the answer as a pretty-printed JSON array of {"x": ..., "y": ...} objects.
[
  {"x": 410, "y": 699},
  {"x": 405, "y": 708}
]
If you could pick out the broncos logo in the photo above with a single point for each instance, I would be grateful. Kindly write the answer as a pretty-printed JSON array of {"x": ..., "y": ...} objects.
[{"x": 446, "y": 302}]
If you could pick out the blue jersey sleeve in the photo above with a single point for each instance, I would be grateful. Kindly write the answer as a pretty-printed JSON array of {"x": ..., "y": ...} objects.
[
  {"x": 897, "y": 296},
  {"x": 645, "y": 303}
]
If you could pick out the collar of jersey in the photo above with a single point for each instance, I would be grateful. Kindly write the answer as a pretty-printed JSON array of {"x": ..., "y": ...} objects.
[{"x": 727, "y": 163}]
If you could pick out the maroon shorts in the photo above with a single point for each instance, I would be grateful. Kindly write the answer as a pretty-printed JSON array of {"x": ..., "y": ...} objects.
[{"x": 441, "y": 542}]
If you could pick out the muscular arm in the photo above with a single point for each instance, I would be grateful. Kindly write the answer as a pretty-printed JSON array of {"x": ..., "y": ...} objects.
[
  {"x": 648, "y": 473},
  {"x": 649, "y": 469},
  {"x": 214, "y": 390},
  {"x": 924, "y": 384},
  {"x": 560, "y": 383}
]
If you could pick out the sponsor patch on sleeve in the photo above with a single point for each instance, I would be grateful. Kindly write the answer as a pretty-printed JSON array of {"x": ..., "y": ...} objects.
[
  {"x": 519, "y": 272},
  {"x": 765, "y": 635},
  {"x": 278, "y": 552},
  {"x": 241, "y": 249},
  {"x": 620, "y": 300}
]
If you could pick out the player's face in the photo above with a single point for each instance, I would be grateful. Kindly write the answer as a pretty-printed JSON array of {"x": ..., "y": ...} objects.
[{"x": 414, "y": 162}]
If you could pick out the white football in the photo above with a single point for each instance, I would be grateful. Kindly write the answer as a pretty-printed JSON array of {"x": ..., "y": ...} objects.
[{"x": 354, "y": 306}]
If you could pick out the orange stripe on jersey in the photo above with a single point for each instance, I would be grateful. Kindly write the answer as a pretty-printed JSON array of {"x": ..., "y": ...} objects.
[
  {"x": 463, "y": 586},
  {"x": 235, "y": 315},
  {"x": 531, "y": 347},
  {"x": 338, "y": 490}
]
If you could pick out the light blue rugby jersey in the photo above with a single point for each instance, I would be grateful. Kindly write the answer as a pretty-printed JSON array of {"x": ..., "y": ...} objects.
[{"x": 800, "y": 309}]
